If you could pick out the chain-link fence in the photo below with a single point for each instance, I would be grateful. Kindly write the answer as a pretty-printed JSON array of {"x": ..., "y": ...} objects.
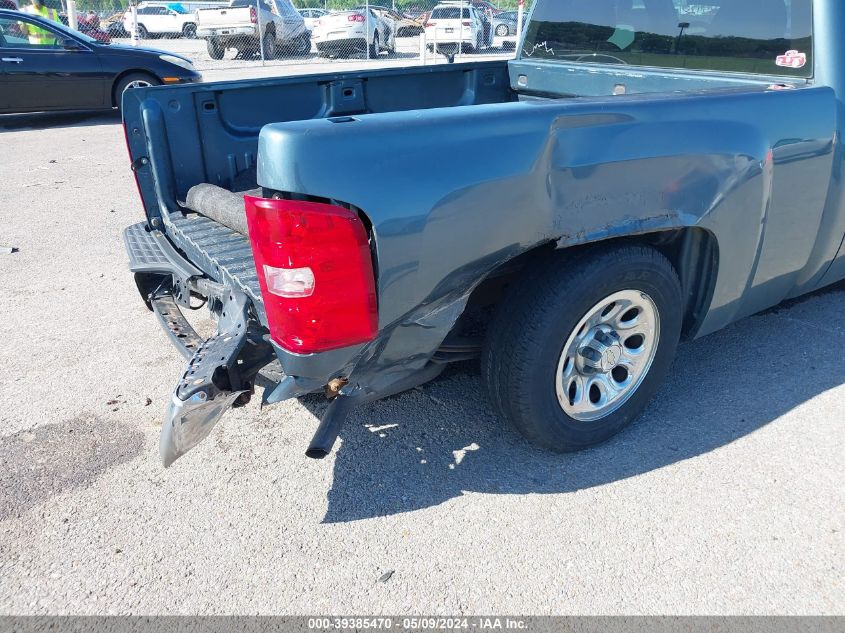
[{"x": 268, "y": 36}]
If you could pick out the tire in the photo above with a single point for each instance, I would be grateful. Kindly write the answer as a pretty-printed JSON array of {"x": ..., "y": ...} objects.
[
  {"x": 375, "y": 48},
  {"x": 189, "y": 31},
  {"x": 143, "y": 33},
  {"x": 268, "y": 43},
  {"x": 302, "y": 46},
  {"x": 524, "y": 363},
  {"x": 215, "y": 49},
  {"x": 130, "y": 81},
  {"x": 502, "y": 30}
]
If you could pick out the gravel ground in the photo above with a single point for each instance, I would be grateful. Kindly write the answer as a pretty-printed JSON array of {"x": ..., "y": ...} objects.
[{"x": 726, "y": 497}]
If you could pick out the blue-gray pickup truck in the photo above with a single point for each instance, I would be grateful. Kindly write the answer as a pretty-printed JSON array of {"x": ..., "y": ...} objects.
[{"x": 642, "y": 171}]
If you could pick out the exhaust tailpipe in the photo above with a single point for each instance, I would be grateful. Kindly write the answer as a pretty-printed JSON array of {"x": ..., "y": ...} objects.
[{"x": 326, "y": 434}]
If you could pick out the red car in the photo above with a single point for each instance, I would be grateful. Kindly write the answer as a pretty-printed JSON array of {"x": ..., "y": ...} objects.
[{"x": 86, "y": 26}]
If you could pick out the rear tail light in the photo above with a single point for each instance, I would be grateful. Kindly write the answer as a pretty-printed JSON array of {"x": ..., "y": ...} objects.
[
  {"x": 428, "y": 25},
  {"x": 316, "y": 274},
  {"x": 357, "y": 17},
  {"x": 253, "y": 15},
  {"x": 467, "y": 23}
]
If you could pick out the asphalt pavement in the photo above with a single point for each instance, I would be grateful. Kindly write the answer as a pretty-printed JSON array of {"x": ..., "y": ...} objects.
[{"x": 726, "y": 497}]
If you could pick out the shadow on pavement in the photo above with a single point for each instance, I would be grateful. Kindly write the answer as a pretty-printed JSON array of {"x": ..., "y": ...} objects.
[
  {"x": 43, "y": 462},
  {"x": 44, "y": 120},
  {"x": 424, "y": 447}
]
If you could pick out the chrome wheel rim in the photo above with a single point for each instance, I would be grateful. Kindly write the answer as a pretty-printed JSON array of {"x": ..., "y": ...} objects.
[
  {"x": 138, "y": 83},
  {"x": 607, "y": 355}
]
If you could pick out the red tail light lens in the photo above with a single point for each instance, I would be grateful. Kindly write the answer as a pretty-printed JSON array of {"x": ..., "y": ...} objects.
[
  {"x": 253, "y": 15},
  {"x": 428, "y": 25},
  {"x": 357, "y": 17},
  {"x": 316, "y": 274},
  {"x": 467, "y": 23}
]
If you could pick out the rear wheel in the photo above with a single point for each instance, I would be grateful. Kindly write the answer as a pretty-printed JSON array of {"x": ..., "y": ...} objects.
[
  {"x": 268, "y": 43},
  {"x": 189, "y": 31},
  {"x": 130, "y": 82},
  {"x": 502, "y": 30},
  {"x": 142, "y": 32},
  {"x": 575, "y": 353},
  {"x": 302, "y": 45},
  {"x": 215, "y": 49}
]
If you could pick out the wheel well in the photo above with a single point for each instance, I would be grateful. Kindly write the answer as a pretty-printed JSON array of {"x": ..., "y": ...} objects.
[
  {"x": 126, "y": 73},
  {"x": 692, "y": 251}
]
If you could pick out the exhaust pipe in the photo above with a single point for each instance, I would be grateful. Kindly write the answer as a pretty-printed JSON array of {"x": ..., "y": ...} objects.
[
  {"x": 326, "y": 434},
  {"x": 334, "y": 417}
]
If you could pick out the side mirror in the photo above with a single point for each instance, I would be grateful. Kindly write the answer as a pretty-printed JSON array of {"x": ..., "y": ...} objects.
[{"x": 72, "y": 45}]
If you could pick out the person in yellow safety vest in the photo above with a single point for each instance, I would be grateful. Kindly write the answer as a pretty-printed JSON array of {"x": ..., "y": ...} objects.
[{"x": 37, "y": 36}]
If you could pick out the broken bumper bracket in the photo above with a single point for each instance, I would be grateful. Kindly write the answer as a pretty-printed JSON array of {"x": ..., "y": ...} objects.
[{"x": 219, "y": 372}]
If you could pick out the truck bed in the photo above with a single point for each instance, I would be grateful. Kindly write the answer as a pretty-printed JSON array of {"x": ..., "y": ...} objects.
[{"x": 210, "y": 135}]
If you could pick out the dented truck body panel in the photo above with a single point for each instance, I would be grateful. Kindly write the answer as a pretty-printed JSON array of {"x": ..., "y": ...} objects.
[
  {"x": 574, "y": 172},
  {"x": 458, "y": 171}
]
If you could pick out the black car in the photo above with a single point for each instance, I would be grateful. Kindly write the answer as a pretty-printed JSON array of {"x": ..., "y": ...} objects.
[{"x": 47, "y": 66}]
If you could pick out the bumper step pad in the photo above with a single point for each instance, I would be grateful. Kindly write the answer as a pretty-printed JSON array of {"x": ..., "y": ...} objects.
[{"x": 150, "y": 252}]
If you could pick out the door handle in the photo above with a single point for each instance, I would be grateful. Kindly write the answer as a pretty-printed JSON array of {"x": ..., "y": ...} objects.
[{"x": 13, "y": 60}]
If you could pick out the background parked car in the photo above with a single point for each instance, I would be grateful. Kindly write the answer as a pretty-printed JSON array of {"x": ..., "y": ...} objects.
[
  {"x": 274, "y": 26},
  {"x": 113, "y": 25},
  {"x": 504, "y": 23},
  {"x": 454, "y": 25},
  {"x": 342, "y": 33},
  {"x": 71, "y": 71},
  {"x": 156, "y": 20},
  {"x": 88, "y": 24},
  {"x": 400, "y": 25},
  {"x": 312, "y": 16}
]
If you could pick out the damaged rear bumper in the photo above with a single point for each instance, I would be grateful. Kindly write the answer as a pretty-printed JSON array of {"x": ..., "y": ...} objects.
[{"x": 223, "y": 370}]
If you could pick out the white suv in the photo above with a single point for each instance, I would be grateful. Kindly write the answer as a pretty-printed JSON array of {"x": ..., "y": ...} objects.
[
  {"x": 160, "y": 20},
  {"x": 455, "y": 26}
]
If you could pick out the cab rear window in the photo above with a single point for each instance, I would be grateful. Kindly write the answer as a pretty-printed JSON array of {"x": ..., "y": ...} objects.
[{"x": 771, "y": 37}]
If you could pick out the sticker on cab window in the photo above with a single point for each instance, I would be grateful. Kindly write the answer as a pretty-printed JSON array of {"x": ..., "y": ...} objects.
[{"x": 792, "y": 59}]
